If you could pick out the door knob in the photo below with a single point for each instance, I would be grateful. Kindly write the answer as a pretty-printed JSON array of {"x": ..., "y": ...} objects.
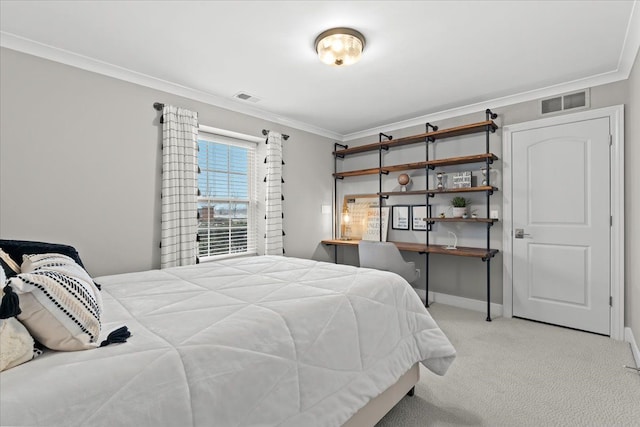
[{"x": 519, "y": 233}]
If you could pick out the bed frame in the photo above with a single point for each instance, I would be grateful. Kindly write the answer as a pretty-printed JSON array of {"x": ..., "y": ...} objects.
[{"x": 378, "y": 407}]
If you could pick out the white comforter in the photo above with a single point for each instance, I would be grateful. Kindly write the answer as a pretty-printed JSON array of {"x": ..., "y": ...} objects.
[{"x": 259, "y": 341}]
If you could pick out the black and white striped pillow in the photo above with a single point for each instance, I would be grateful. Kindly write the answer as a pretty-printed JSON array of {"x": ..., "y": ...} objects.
[{"x": 61, "y": 306}]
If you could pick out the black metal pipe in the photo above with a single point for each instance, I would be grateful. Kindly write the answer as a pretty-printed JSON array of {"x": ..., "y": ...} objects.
[
  {"x": 489, "y": 288},
  {"x": 380, "y": 148},
  {"x": 490, "y": 116},
  {"x": 336, "y": 218},
  {"x": 380, "y": 191},
  {"x": 427, "y": 204}
]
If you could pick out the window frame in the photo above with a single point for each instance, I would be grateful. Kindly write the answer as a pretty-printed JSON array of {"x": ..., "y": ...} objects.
[{"x": 230, "y": 138}]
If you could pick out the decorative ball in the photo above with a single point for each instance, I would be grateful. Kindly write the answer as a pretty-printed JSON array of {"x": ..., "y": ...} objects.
[{"x": 403, "y": 179}]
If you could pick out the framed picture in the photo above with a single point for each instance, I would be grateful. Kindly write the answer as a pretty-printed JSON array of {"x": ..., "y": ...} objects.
[
  {"x": 400, "y": 217},
  {"x": 461, "y": 179},
  {"x": 360, "y": 218},
  {"x": 419, "y": 215}
]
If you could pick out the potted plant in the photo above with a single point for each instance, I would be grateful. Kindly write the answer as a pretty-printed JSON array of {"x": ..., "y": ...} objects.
[{"x": 459, "y": 206}]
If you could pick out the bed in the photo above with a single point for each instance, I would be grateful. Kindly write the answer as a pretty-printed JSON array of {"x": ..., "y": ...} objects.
[{"x": 253, "y": 341}]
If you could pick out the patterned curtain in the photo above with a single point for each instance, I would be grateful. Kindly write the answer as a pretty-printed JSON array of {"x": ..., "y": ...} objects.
[
  {"x": 179, "y": 187},
  {"x": 273, "y": 242}
]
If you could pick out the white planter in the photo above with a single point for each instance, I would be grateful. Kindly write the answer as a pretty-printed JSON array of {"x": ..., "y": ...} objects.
[{"x": 458, "y": 212}]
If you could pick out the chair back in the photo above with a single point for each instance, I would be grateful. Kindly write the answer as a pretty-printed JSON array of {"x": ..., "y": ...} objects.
[{"x": 385, "y": 256}]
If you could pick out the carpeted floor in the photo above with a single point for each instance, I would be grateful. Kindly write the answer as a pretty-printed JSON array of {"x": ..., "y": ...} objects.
[{"x": 513, "y": 372}]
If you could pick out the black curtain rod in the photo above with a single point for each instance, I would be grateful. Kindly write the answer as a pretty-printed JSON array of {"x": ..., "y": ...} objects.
[
  {"x": 265, "y": 132},
  {"x": 159, "y": 106}
]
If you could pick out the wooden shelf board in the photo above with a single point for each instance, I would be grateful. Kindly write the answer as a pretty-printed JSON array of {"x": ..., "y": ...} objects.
[
  {"x": 361, "y": 172},
  {"x": 435, "y": 191},
  {"x": 420, "y": 247},
  {"x": 475, "y": 158},
  {"x": 439, "y": 134},
  {"x": 438, "y": 219}
]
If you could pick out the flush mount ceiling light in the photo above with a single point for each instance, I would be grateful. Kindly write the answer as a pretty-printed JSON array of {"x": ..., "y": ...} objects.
[{"x": 340, "y": 46}]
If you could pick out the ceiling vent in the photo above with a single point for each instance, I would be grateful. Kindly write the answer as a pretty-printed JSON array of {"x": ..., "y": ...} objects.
[
  {"x": 568, "y": 101},
  {"x": 243, "y": 96}
]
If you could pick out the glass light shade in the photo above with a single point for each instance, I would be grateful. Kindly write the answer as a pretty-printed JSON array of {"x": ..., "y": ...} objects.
[{"x": 340, "y": 46}]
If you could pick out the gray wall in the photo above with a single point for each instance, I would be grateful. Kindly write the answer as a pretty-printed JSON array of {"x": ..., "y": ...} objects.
[
  {"x": 459, "y": 276},
  {"x": 80, "y": 164},
  {"x": 632, "y": 203}
]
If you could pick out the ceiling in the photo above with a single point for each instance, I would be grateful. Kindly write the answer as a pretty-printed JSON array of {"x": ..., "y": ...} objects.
[{"x": 421, "y": 57}]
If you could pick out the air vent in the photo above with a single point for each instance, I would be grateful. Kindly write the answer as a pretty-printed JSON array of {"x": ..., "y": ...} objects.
[
  {"x": 568, "y": 101},
  {"x": 246, "y": 97}
]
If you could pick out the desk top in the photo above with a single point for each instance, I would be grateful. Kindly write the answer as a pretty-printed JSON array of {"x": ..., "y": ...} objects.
[{"x": 422, "y": 248}]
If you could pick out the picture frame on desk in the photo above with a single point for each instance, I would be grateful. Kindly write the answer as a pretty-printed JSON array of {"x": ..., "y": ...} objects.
[
  {"x": 419, "y": 214},
  {"x": 400, "y": 217}
]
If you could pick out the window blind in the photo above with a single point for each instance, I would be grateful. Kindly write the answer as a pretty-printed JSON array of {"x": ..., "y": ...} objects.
[{"x": 227, "y": 196}]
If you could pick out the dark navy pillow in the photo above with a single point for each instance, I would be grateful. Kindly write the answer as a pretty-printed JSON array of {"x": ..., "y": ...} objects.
[{"x": 17, "y": 248}]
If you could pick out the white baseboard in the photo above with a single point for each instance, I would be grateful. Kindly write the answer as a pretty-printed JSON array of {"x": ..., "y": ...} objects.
[
  {"x": 628, "y": 337},
  {"x": 461, "y": 302}
]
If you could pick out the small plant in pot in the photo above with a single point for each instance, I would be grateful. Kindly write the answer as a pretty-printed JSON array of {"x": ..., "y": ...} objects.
[{"x": 459, "y": 206}]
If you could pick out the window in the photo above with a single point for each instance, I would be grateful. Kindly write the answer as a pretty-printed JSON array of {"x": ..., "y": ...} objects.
[{"x": 227, "y": 197}]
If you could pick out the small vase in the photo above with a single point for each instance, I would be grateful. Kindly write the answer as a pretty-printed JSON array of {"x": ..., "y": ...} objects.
[{"x": 458, "y": 212}]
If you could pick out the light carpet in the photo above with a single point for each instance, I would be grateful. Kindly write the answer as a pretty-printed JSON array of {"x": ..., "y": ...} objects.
[{"x": 513, "y": 372}]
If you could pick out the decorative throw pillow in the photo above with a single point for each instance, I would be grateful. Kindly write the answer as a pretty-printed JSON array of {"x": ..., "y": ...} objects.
[
  {"x": 8, "y": 266},
  {"x": 60, "y": 304},
  {"x": 16, "y": 345},
  {"x": 17, "y": 248}
]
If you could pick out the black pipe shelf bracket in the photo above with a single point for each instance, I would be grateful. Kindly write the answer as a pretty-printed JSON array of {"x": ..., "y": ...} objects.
[
  {"x": 380, "y": 135},
  {"x": 433, "y": 128},
  {"x": 490, "y": 114}
]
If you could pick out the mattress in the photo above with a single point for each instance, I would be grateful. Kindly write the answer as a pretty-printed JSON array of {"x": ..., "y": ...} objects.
[{"x": 255, "y": 341}]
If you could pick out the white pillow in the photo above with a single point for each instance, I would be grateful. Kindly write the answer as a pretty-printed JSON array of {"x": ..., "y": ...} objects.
[
  {"x": 3, "y": 276},
  {"x": 16, "y": 345},
  {"x": 61, "y": 306}
]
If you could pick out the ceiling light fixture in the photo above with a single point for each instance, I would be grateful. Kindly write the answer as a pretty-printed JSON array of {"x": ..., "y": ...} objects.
[{"x": 340, "y": 46}]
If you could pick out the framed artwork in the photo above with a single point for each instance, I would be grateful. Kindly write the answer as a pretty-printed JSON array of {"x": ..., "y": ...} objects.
[
  {"x": 360, "y": 218},
  {"x": 419, "y": 215},
  {"x": 400, "y": 217},
  {"x": 461, "y": 179}
]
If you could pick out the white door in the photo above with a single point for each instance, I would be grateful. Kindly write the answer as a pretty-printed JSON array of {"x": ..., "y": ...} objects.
[{"x": 561, "y": 224}]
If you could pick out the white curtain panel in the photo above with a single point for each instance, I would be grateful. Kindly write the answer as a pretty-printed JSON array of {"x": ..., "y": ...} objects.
[
  {"x": 179, "y": 187},
  {"x": 273, "y": 242}
]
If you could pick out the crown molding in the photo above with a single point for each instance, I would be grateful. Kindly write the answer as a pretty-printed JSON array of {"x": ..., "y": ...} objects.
[
  {"x": 21, "y": 44},
  {"x": 494, "y": 103},
  {"x": 630, "y": 49},
  {"x": 626, "y": 61},
  {"x": 631, "y": 45}
]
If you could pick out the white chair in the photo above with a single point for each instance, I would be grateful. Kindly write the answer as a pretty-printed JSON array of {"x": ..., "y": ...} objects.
[{"x": 386, "y": 256}]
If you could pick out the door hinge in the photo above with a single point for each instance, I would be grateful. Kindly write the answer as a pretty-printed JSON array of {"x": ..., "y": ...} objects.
[
  {"x": 611, "y": 221},
  {"x": 610, "y": 301},
  {"x": 610, "y": 139}
]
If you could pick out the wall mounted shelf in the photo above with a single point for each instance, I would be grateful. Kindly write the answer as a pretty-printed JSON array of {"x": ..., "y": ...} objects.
[
  {"x": 431, "y": 164},
  {"x": 434, "y": 135},
  {"x": 429, "y": 137}
]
